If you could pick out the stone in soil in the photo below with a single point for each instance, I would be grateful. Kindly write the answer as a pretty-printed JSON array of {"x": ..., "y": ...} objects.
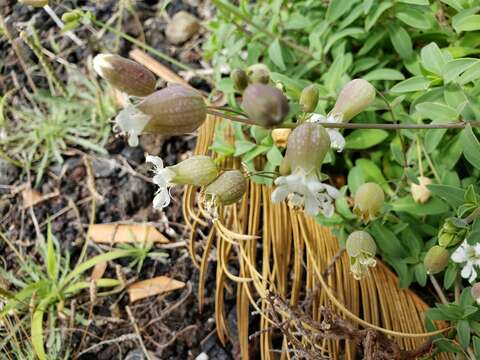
[{"x": 181, "y": 28}]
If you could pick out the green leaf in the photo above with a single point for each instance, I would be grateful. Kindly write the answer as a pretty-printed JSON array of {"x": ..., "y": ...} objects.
[
  {"x": 471, "y": 74},
  {"x": 437, "y": 112},
  {"x": 371, "y": 42},
  {"x": 432, "y": 58},
  {"x": 256, "y": 151},
  {"x": 463, "y": 333},
  {"x": 466, "y": 23},
  {"x": 365, "y": 138},
  {"x": 476, "y": 345},
  {"x": 401, "y": 41},
  {"x": 373, "y": 173},
  {"x": 456, "y": 4},
  {"x": 451, "y": 194},
  {"x": 471, "y": 147},
  {"x": 434, "y": 206},
  {"x": 379, "y": 10},
  {"x": 384, "y": 74},
  {"x": 387, "y": 241},
  {"x": 275, "y": 54},
  {"x": 336, "y": 8},
  {"x": 52, "y": 262},
  {"x": 416, "y": 83},
  {"x": 415, "y": 2},
  {"x": 356, "y": 177},
  {"x": 450, "y": 276},
  {"x": 415, "y": 18},
  {"x": 341, "y": 34},
  {"x": 454, "y": 68},
  {"x": 243, "y": 146},
  {"x": 433, "y": 138},
  {"x": 274, "y": 156}
]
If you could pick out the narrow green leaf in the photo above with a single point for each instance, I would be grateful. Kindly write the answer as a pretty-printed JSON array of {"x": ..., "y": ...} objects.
[
  {"x": 384, "y": 74},
  {"x": 336, "y": 8},
  {"x": 274, "y": 156},
  {"x": 416, "y": 83},
  {"x": 379, "y": 10},
  {"x": 463, "y": 333},
  {"x": 434, "y": 206},
  {"x": 466, "y": 23},
  {"x": 401, "y": 41},
  {"x": 471, "y": 74},
  {"x": 415, "y": 18},
  {"x": 454, "y": 68},
  {"x": 52, "y": 262},
  {"x": 275, "y": 54},
  {"x": 451, "y": 194}
]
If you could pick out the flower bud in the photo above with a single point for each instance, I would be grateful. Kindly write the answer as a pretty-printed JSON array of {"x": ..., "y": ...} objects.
[
  {"x": 175, "y": 110},
  {"x": 307, "y": 146},
  {"x": 436, "y": 259},
  {"x": 35, "y": 3},
  {"x": 355, "y": 97},
  {"x": 240, "y": 79},
  {"x": 368, "y": 200},
  {"x": 280, "y": 137},
  {"x": 475, "y": 291},
  {"x": 227, "y": 189},
  {"x": 309, "y": 98},
  {"x": 71, "y": 16},
  {"x": 452, "y": 232},
  {"x": 258, "y": 73},
  {"x": 125, "y": 75},
  {"x": 361, "y": 248},
  {"x": 197, "y": 170},
  {"x": 420, "y": 192},
  {"x": 265, "y": 105}
]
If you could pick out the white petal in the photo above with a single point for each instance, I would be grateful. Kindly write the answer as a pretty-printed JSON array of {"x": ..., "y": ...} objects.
[
  {"x": 332, "y": 191},
  {"x": 155, "y": 160},
  {"x": 312, "y": 207},
  {"x": 132, "y": 122},
  {"x": 279, "y": 194},
  {"x": 473, "y": 276},
  {"x": 337, "y": 141},
  {"x": 467, "y": 270},
  {"x": 328, "y": 210},
  {"x": 162, "y": 199},
  {"x": 316, "y": 118},
  {"x": 460, "y": 254}
]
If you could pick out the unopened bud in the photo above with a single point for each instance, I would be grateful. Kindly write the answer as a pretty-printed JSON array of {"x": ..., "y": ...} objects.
[
  {"x": 35, "y": 3},
  {"x": 356, "y": 96},
  {"x": 436, "y": 259},
  {"x": 240, "y": 79},
  {"x": 309, "y": 98},
  {"x": 420, "y": 193},
  {"x": 452, "y": 232},
  {"x": 258, "y": 73},
  {"x": 197, "y": 170},
  {"x": 73, "y": 15},
  {"x": 175, "y": 110},
  {"x": 126, "y": 75},
  {"x": 227, "y": 189},
  {"x": 368, "y": 200},
  {"x": 475, "y": 291},
  {"x": 265, "y": 105},
  {"x": 307, "y": 146},
  {"x": 280, "y": 137}
]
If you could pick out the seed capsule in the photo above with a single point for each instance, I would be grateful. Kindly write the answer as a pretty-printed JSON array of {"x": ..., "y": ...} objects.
[
  {"x": 125, "y": 75},
  {"x": 368, "y": 200},
  {"x": 227, "y": 189},
  {"x": 197, "y": 170},
  {"x": 265, "y": 105},
  {"x": 307, "y": 146},
  {"x": 355, "y": 97},
  {"x": 240, "y": 79},
  {"x": 436, "y": 259},
  {"x": 420, "y": 192},
  {"x": 174, "y": 110},
  {"x": 258, "y": 73},
  {"x": 309, "y": 98}
]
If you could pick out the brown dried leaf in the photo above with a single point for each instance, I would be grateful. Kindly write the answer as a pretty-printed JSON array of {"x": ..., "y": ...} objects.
[
  {"x": 123, "y": 233},
  {"x": 155, "y": 286},
  {"x": 33, "y": 197},
  {"x": 99, "y": 270}
]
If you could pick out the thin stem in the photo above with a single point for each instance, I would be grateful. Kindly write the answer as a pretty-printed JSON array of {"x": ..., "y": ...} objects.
[
  {"x": 230, "y": 117},
  {"x": 61, "y": 25},
  {"x": 473, "y": 216},
  {"x": 419, "y": 155},
  {"x": 438, "y": 289},
  {"x": 224, "y": 108},
  {"x": 430, "y": 163}
]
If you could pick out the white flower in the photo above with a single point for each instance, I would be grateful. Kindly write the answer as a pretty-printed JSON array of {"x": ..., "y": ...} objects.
[
  {"x": 336, "y": 138},
  {"x": 131, "y": 121},
  {"x": 163, "y": 177},
  {"x": 305, "y": 191},
  {"x": 360, "y": 264},
  {"x": 470, "y": 256}
]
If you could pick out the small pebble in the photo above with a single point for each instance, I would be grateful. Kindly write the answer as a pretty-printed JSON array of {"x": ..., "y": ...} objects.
[
  {"x": 202, "y": 356},
  {"x": 181, "y": 28}
]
